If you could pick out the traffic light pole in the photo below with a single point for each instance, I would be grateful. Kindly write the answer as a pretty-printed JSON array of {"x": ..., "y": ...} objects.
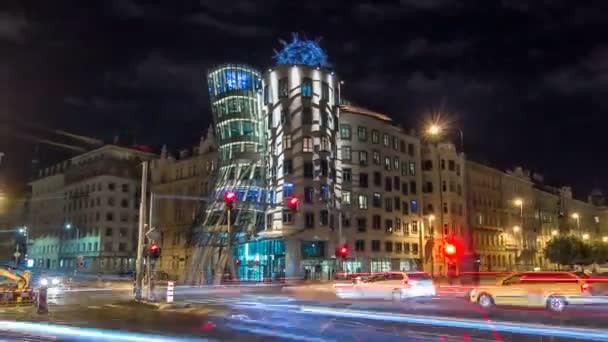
[
  {"x": 149, "y": 289},
  {"x": 139, "y": 266}
]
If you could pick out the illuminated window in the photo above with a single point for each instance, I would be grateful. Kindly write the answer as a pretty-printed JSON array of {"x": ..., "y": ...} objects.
[
  {"x": 386, "y": 140},
  {"x": 363, "y": 202},
  {"x": 346, "y": 197},
  {"x": 307, "y": 145},
  {"x": 287, "y": 141},
  {"x": 412, "y": 168},
  {"x": 307, "y": 87},
  {"x": 376, "y": 157},
  {"x": 387, "y": 163},
  {"x": 396, "y": 163},
  {"x": 347, "y": 175}
]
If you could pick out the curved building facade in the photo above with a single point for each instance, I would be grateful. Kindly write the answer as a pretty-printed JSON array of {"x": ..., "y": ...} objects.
[{"x": 301, "y": 116}]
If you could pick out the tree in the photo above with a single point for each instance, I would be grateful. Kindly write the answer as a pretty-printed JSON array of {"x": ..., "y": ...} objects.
[
  {"x": 568, "y": 250},
  {"x": 599, "y": 252}
]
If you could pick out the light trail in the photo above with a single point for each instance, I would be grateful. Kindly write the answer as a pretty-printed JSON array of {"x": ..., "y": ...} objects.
[{"x": 63, "y": 331}]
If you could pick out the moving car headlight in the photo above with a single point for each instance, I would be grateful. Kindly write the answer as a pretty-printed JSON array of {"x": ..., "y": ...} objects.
[
  {"x": 44, "y": 282},
  {"x": 473, "y": 291},
  {"x": 55, "y": 281}
]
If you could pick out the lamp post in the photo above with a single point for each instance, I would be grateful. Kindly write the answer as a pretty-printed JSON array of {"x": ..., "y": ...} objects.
[
  {"x": 577, "y": 218},
  {"x": 434, "y": 131}
]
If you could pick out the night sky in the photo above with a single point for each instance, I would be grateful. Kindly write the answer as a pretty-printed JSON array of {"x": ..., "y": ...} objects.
[{"x": 527, "y": 81}]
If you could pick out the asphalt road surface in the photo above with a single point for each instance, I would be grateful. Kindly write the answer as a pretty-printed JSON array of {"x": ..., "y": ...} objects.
[{"x": 275, "y": 314}]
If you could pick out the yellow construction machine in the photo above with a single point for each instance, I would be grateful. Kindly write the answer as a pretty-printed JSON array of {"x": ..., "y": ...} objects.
[{"x": 15, "y": 289}]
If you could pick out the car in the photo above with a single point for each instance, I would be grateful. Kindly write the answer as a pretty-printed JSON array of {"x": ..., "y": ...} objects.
[
  {"x": 391, "y": 285},
  {"x": 551, "y": 290}
]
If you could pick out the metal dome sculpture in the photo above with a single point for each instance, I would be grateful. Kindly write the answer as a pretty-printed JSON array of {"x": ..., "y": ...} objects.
[{"x": 301, "y": 51}]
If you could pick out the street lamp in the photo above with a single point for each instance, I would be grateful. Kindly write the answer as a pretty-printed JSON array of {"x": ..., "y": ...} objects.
[
  {"x": 516, "y": 228},
  {"x": 520, "y": 203},
  {"x": 434, "y": 130},
  {"x": 585, "y": 236},
  {"x": 605, "y": 239},
  {"x": 577, "y": 217},
  {"x": 554, "y": 232}
]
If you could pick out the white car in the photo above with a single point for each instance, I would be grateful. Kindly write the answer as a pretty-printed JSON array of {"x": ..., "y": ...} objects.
[{"x": 392, "y": 285}]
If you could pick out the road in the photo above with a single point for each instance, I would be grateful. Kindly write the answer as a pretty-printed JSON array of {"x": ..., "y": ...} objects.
[{"x": 263, "y": 314}]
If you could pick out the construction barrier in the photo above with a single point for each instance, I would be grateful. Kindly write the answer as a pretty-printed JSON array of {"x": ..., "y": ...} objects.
[
  {"x": 17, "y": 298},
  {"x": 170, "y": 291},
  {"x": 42, "y": 301}
]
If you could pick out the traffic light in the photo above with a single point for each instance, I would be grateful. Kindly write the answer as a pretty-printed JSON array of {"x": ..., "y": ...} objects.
[
  {"x": 154, "y": 251},
  {"x": 229, "y": 198},
  {"x": 293, "y": 202},
  {"x": 449, "y": 250},
  {"x": 342, "y": 251}
]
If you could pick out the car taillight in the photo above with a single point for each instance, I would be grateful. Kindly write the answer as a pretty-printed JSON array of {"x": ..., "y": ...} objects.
[{"x": 586, "y": 287}]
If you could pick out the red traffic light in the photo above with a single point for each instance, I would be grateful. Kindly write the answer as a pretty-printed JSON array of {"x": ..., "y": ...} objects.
[
  {"x": 293, "y": 202},
  {"x": 229, "y": 197},
  {"x": 342, "y": 251},
  {"x": 154, "y": 250},
  {"x": 449, "y": 249}
]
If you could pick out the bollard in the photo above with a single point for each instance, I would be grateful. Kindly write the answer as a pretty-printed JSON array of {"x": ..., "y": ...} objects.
[
  {"x": 170, "y": 291},
  {"x": 42, "y": 303}
]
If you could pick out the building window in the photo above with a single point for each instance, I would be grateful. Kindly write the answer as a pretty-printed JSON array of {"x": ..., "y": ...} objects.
[
  {"x": 270, "y": 124},
  {"x": 345, "y": 132},
  {"x": 414, "y": 206},
  {"x": 395, "y": 163},
  {"x": 306, "y": 116},
  {"x": 398, "y": 247},
  {"x": 308, "y": 170},
  {"x": 347, "y": 175},
  {"x": 283, "y": 87},
  {"x": 109, "y": 217},
  {"x": 376, "y": 220},
  {"x": 414, "y": 227},
  {"x": 324, "y": 91},
  {"x": 397, "y": 224},
  {"x": 360, "y": 245},
  {"x": 377, "y": 178},
  {"x": 123, "y": 232},
  {"x": 285, "y": 120},
  {"x": 405, "y": 208},
  {"x": 346, "y": 197},
  {"x": 363, "y": 180},
  {"x": 324, "y": 190},
  {"x": 443, "y": 164},
  {"x": 406, "y": 228},
  {"x": 346, "y": 153},
  {"x": 124, "y": 217},
  {"x": 287, "y": 216},
  {"x": 266, "y": 94},
  {"x": 324, "y": 166},
  {"x": 307, "y": 145},
  {"x": 388, "y": 226},
  {"x": 386, "y": 140},
  {"x": 387, "y": 163},
  {"x": 324, "y": 119},
  {"x": 109, "y": 232},
  {"x": 363, "y": 202},
  {"x": 125, "y": 187},
  {"x": 445, "y": 207},
  {"x": 108, "y": 247},
  {"x": 429, "y": 208},
  {"x": 375, "y": 137},
  {"x": 307, "y": 87},
  {"x": 375, "y": 245},
  {"x": 413, "y": 187},
  {"x": 427, "y": 187},
  {"x": 122, "y": 247},
  {"x": 309, "y": 220},
  {"x": 363, "y": 158},
  {"x": 414, "y": 248},
  {"x": 287, "y": 167},
  {"x": 287, "y": 141},
  {"x": 361, "y": 224},
  {"x": 377, "y": 200},
  {"x": 111, "y": 201},
  {"x": 111, "y": 186},
  {"x": 395, "y": 142},
  {"x": 324, "y": 143},
  {"x": 388, "y": 205},
  {"x": 388, "y": 246},
  {"x": 388, "y": 184},
  {"x": 397, "y": 202},
  {"x": 324, "y": 217},
  {"x": 376, "y": 157},
  {"x": 396, "y": 183},
  {"x": 451, "y": 165},
  {"x": 309, "y": 194},
  {"x": 412, "y": 168},
  {"x": 427, "y": 165},
  {"x": 124, "y": 203},
  {"x": 411, "y": 150},
  {"x": 362, "y": 133},
  {"x": 288, "y": 189},
  {"x": 404, "y": 190}
]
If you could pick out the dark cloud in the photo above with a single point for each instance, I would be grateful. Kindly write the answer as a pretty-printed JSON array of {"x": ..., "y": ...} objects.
[
  {"x": 13, "y": 27},
  {"x": 589, "y": 75}
]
